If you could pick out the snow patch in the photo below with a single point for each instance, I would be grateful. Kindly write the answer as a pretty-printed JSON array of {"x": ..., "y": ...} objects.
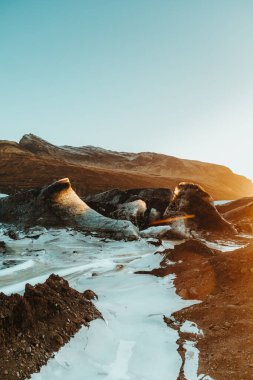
[
  {"x": 219, "y": 203},
  {"x": 190, "y": 327},
  {"x": 3, "y": 195},
  {"x": 224, "y": 247},
  {"x": 133, "y": 342},
  {"x": 16, "y": 268},
  {"x": 191, "y": 360},
  {"x": 154, "y": 231}
]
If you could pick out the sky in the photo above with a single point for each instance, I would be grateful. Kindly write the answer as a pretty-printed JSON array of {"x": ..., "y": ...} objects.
[{"x": 168, "y": 76}]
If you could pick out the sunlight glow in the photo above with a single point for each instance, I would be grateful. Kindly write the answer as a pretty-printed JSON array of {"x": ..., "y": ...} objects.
[{"x": 167, "y": 220}]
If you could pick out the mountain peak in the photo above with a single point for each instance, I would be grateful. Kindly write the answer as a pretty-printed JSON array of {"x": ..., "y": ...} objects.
[{"x": 36, "y": 144}]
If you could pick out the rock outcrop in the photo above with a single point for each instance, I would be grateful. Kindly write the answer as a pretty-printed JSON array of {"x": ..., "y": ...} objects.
[
  {"x": 188, "y": 211},
  {"x": 195, "y": 206},
  {"x": 58, "y": 205},
  {"x": 33, "y": 162},
  {"x": 140, "y": 206},
  {"x": 185, "y": 212}
]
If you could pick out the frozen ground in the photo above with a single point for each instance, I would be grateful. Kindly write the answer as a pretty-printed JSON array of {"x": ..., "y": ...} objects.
[{"x": 133, "y": 343}]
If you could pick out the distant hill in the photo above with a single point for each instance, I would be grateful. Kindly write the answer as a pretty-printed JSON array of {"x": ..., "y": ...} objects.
[{"x": 35, "y": 162}]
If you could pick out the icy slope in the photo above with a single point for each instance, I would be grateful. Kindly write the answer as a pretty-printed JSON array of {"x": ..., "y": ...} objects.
[{"x": 133, "y": 342}]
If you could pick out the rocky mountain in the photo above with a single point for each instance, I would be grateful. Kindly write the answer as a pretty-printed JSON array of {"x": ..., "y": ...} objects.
[{"x": 33, "y": 162}]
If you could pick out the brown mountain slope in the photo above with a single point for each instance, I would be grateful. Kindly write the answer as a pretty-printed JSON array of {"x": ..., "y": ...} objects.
[{"x": 34, "y": 162}]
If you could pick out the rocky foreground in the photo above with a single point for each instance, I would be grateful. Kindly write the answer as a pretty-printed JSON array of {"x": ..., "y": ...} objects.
[
  {"x": 34, "y": 326},
  {"x": 223, "y": 281}
]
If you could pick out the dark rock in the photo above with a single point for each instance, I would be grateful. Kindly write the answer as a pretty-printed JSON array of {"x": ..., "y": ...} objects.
[
  {"x": 196, "y": 205},
  {"x": 2, "y": 247},
  {"x": 155, "y": 242},
  {"x": 90, "y": 295},
  {"x": 12, "y": 234},
  {"x": 10, "y": 263},
  {"x": 116, "y": 203},
  {"x": 119, "y": 267},
  {"x": 57, "y": 205}
]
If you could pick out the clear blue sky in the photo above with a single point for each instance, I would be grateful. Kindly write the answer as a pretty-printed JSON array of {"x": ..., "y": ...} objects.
[{"x": 133, "y": 75}]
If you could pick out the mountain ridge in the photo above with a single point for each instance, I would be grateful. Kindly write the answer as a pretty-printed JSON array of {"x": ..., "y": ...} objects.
[{"x": 34, "y": 161}]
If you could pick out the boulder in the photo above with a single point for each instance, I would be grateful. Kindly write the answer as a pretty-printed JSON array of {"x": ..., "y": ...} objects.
[
  {"x": 57, "y": 205},
  {"x": 193, "y": 206},
  {"x": 141, "y": 206}
]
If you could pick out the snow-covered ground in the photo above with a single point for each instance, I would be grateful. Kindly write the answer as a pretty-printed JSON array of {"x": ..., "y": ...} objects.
[
  {"x": 133, "y": 342},
  {"x": 224, "y": 246}
]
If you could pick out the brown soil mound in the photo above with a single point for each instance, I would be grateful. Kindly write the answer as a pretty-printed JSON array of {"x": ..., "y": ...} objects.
[
  {"x": 224, "y": 281},
  {"x": 242, "y": 218},
  {"x": 34, "y": 326},
  {"x": 240, "y": 213},
  {"x": 194, "y": 277}
]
